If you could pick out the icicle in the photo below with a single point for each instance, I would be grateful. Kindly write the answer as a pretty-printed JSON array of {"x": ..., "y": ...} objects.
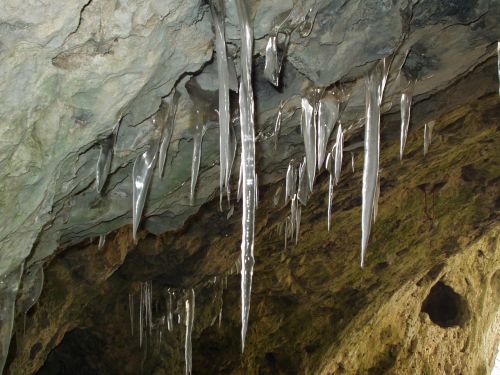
[
  {"x": 9, "y": 285},
  {"x": 188, "y": 349},
  {"x": 329, "y": 164},
  {"x": 328, "y": 114},
  {"x": 246, "y": 102},
  {"x": 298, "y": 215},
  {"x": 275, "y": 55},
  {"x": 303, "y": 188},
  {"x": 102, "y": 241},
  {"x": 230, "y": 212},
  {"x": 352, "y": 161},
  {"x": 339, "y": 149},
  {"x": 428, "y": 136},
  {"x": 170, "y": 321},
  {"x": 375, "y": 85},
  {"x": 498, "y": 53},
  {"x": 289, "y": 182},
  {"x": 166, "y": 115},
  {"x": 141, "y": 178},
  {"x": 375, "y": 201},
  {"x": 131, "y": 311},
  {"x": 104, "y": 161},
  {"x": 240, "y": 183},
  {"x": 199, "y": 132},
  {"x": 406, "y": 99},
  {"x": 218, "y": 13},
  {"x": 309, "y": 133},
  {"x": 277, "y": 125},
  {"x": 232, "y": 155}
]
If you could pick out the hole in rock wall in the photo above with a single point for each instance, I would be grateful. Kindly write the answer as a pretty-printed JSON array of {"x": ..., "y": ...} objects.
[{"x": 445, "y": 307}]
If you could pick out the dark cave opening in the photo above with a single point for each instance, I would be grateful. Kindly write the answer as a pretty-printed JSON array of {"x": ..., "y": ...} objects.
[{"x": 445, "y": 307}]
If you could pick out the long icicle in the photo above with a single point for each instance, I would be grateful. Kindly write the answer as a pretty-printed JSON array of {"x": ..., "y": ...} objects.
[
  {"x": 141, "y": 178},
  {"x": 329, "y": 164},
  {"x": 328, "y": 114},
  {"x": 339, "y": 149},
  {"x": 406, "y": 99},
  {"x": 248, "y": 157},
  {"x": 188, "y": 348},
  {"x": 199, "y": 132},
  {"x": 375, "y": 85},
  {"x": 309, "y": 133},
  {"x": 217, "y": 11},
  {"x": 428, "y": 136},
  {"x": 498, "y": 53}
]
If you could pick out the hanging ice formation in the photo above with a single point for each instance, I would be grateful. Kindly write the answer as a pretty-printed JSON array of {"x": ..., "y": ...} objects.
[
  {"x": 102, "y": 241},
  {"x": 9, "y": 285},
  {"x": 498, "y": 53},
  {"x": 166, "y": 122},
  {"x": 309, "y": 133},
  {"x": 406, "y": 99},
  {"x": 352, "y": 162},
  {"x": 104, "y": 161},
  {"x": 141, "y": 178},
  {"x": 145, "y": 311},
  {"x": 329, "y": 164},
  {"x": 428, "y": 135},
  {"x": 246, "y": 103},
  {"x": 303, "y": 185},
  {"x": 328, "y": 114},
  {"x": 188, "y": 349},
  {"x": 339, "y": 149},
  {"x": 217, "y": 11},
  {"x": 276, "y": 47},
  {"x": 375, "y": 85},
  {"x": 199, "y": 132}
]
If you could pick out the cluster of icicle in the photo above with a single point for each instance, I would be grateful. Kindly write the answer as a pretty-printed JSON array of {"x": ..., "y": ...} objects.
[{"x": 157, "y": 315}]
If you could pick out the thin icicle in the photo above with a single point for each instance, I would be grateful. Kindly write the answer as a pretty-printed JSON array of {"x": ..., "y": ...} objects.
[
  {"x": 328, "y": 114},
  {"x": 290, "y": 182},
  {"x": 199, "y": 132},
  {"x": 277, "y": 125},
  {"x": 9, "y": 285},
  {"x": 498, "y": 53},
  {"x": 188, "y": 348},
  {"x": 406, "y": 99},
  {"x": 428, "y": 136},
  {"x": 375, "y": 201},
  {"x": 352, "y": 162},
  {"x": 104, "y": 162},
  {"x": 218, "y": 13},
  {"x": 102, "y": 241},
  {"x": 303, "y": 185},
  {"x": 240, "y": 183},
  {"x": 309, "y": 134},
  {"x": 339, "y": 149},
  {"x": 275, "y": 55},
  {"x": 329, "y": 164},
  {"x": 375, "y": 85},
  {"x": 248, "y": 157},
  {"x": 167, "y": 112},
  {"x": 131, "y": 312},
  {"x": 141, "y": 178},
  {"x": 170, "y": 320}
]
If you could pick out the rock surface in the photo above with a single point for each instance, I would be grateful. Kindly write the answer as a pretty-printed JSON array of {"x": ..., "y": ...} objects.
[{"x": 427, "y": 301}]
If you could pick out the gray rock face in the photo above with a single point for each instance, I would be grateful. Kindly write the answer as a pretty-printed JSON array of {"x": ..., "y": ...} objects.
[{"x": 70, "y": 70}]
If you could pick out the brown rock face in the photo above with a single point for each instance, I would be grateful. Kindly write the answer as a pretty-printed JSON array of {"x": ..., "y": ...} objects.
[{"x": 427, "y": 301}]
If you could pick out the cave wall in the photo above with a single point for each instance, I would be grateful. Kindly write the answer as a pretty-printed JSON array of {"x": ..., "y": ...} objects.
[{"x": 313, "y": 309}]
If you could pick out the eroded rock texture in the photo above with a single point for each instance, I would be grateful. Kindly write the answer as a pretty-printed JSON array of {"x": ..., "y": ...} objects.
[{"x": 427, "y": 301}]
